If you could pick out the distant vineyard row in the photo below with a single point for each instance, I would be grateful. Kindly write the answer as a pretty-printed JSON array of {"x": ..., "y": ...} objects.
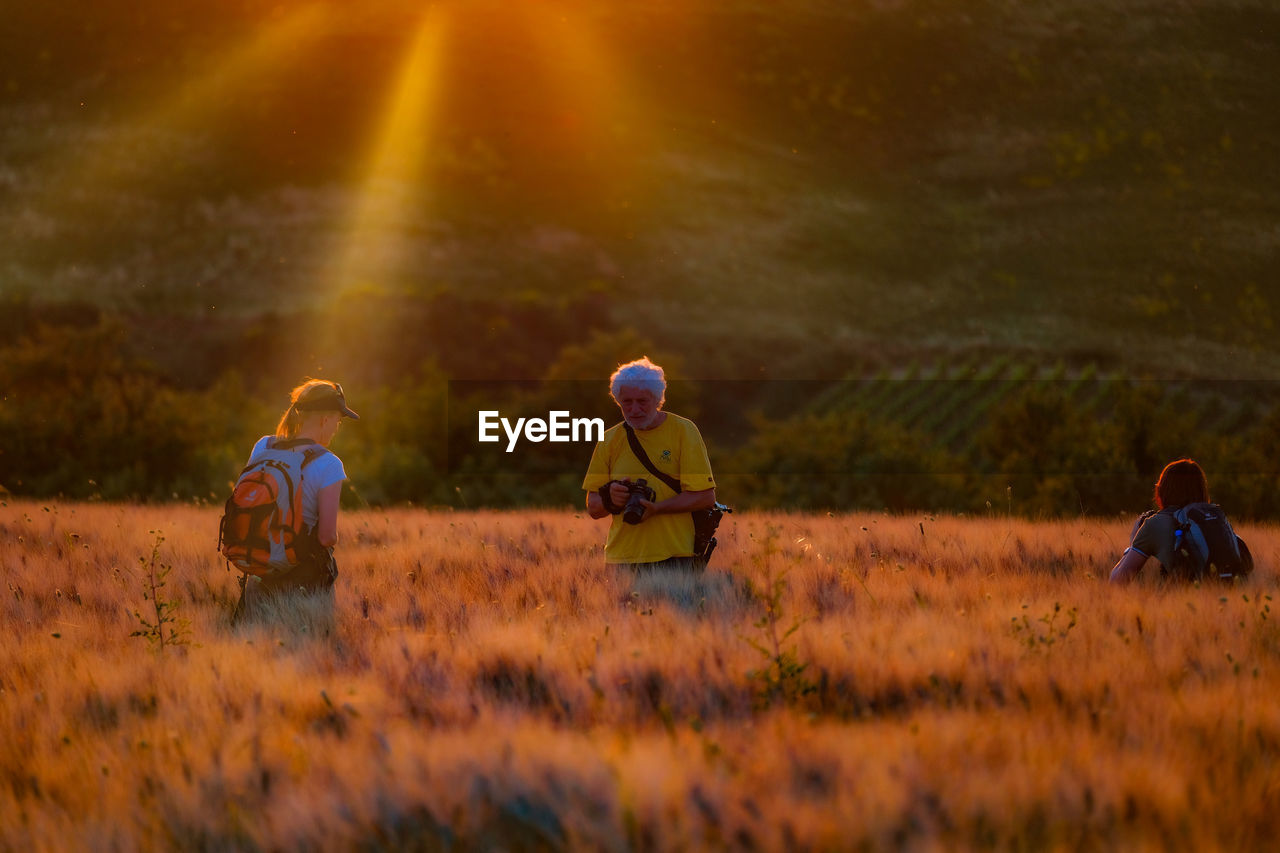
[
  {"x": 952, "y": 403},
  {"x": 1006, "y": 435}
]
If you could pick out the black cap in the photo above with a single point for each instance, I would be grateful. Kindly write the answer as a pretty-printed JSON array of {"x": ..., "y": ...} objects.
[{"x": 325, "y": 397}]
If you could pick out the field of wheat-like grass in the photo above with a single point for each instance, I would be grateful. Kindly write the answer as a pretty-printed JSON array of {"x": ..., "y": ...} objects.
[{"x": 483, "y": 682}]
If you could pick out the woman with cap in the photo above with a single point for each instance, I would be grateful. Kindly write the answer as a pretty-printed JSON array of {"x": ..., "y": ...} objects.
[{"x": 315, "y": 412}]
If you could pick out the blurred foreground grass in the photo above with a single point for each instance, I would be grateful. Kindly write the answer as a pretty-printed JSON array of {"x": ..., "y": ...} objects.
[{"x": 484, "y": 682}]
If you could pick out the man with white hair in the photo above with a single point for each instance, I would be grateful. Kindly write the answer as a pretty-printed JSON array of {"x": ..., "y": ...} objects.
[{"x": 658, "y": 531}]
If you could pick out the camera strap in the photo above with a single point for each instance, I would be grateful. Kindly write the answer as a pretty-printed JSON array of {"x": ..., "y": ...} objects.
[{"x": 638, "y": 449}]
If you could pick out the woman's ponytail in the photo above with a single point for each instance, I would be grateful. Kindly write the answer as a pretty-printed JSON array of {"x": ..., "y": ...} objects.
[{"x": 290, "y": 422}]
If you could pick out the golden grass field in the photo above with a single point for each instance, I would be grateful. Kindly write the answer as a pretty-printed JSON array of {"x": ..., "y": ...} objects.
[{"x": 484, "y": 683}]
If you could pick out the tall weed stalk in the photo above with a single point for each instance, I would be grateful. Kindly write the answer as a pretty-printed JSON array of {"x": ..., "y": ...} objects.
[
  {"x": 167, "y": 629},
  {"x": 782, "y": 678}
]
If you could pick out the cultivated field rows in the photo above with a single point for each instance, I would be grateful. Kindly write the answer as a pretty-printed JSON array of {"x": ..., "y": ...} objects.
[{"x": 484, "y": 682}]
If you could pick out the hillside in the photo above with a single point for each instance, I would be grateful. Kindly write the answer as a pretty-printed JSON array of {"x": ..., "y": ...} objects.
[{"x": 830, "y": 183}]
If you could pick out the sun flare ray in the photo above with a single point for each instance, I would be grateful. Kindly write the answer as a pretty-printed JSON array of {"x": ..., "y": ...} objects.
[
  {"x": 599, "y": 105},
  {"x": 394, "y": 180}
]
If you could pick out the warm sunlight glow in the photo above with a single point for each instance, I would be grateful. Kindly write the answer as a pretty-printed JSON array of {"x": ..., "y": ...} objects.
[
  {"x": 394, "y": 180},
  {"x": 191, "y": 102},
  {"x": 600, "y": 114}
]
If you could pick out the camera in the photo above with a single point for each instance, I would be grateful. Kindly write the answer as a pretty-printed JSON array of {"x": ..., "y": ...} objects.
[{"x": 639, "y": 491}]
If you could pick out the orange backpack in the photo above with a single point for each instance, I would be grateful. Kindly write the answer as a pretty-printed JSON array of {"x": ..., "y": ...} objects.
[{"x": 261, "y": 529}]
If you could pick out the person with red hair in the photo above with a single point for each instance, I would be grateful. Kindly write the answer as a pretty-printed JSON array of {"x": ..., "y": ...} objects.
[{"x": 1154, "y": 534}]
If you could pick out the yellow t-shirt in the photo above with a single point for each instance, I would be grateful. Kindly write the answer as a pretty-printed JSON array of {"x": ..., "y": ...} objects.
[{"x": 675, "y": 448}]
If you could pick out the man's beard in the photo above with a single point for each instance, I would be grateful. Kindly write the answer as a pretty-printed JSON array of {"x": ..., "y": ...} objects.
[{"x": 648, "y": 421}]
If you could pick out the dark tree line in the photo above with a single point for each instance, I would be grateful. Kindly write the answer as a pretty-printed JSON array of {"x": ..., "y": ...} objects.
[{"x": 86, "y": 414}]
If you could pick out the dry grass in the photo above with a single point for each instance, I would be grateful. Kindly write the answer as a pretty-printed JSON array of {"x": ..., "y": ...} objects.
[{"x": 483, "y": 682}]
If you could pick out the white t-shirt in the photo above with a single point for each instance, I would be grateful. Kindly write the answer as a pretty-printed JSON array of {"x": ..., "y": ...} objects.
[{"x": 325, "y": 470}]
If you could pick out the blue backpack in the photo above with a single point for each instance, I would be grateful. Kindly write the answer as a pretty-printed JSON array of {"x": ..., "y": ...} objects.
[{"x": 1205, "y": 546}]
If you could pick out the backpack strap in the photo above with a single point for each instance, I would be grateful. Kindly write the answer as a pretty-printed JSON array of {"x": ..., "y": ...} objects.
[
  {"x": 311, "y": 454},
  {"x": 290, "y": 443},
  {"x": 309, "y": 447},
  {"x": 638, "y": 449}
]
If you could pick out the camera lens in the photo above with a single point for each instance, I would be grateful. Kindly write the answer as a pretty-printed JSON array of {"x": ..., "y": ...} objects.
[{"x": 633, "y": 512}]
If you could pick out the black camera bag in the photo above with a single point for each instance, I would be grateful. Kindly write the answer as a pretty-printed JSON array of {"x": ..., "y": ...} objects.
[{"x": 705, "y": 521}]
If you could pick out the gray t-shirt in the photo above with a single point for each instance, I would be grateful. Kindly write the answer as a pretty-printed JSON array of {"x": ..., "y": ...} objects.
[
  {"x": 1154, "y": 538},
  {"x": 325, "y": 470}
]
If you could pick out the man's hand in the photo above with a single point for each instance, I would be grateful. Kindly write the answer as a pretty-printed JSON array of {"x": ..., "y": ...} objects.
[
  {"x": 650, "y": 510},
  {"x": 618, "y": 493}
]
